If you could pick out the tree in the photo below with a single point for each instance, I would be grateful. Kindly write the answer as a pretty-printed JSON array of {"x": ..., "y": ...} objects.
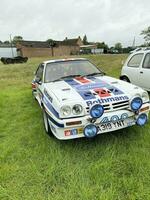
[
  {"x": 102, "y": 45},
  {"x": 85, "y": 41},
  {"x": 52, "y": 44},
  {"x": 49, "y": 41},
  {"x": 6, "y": 42},
  {"x": 1, "y": 42},
  {"x": 17, "y": 38},
  {"x": 146, "y": 34},
  {"x": 118, "y": 46}
]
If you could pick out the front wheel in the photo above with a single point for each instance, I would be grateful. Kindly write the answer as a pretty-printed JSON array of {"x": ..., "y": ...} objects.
[
  {"x": 46, "y": 124},
  {"x": 124, "y": 78}
]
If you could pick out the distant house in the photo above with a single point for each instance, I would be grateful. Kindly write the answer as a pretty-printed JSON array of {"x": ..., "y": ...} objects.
[
  {"x": 6, "y": 50},
  {"x": 43, "y": 49},
  {"x": 90, "y": 49},
  {"x": 97, "y": 51}
]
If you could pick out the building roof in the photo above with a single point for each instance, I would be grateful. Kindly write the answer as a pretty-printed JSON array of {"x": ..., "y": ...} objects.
[
  {"x": 45, "y": 44},
  {"x": 68, "y": 42},
  {"x": 34, "y": 44}
]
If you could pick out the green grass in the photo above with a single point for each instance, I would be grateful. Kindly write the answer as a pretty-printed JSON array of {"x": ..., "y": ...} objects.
[{"x": 113, "y": 166}]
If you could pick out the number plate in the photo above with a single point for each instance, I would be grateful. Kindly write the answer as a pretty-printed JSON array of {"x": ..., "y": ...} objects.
[{"x": 111, "y": 125}]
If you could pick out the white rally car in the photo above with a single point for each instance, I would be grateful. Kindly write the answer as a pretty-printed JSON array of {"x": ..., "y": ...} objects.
[{"x": 79, "y": 100}]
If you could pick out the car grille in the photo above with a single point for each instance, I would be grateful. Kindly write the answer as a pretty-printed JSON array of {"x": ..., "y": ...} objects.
[{"x": 113, "y": 106}]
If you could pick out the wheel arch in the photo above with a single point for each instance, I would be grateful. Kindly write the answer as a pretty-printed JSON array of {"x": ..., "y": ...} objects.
[{"x": 125, "y": 76}]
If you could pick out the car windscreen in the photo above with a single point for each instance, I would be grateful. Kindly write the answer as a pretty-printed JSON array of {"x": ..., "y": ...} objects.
[{"x": 61, "y": 69}]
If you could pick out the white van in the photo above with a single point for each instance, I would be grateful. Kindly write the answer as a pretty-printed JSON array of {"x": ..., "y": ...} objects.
[{"x": 136, "y": 69}]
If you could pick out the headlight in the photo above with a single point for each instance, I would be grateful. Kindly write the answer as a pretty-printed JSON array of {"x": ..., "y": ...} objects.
[
  {"x": 77, "y": 109},
  {"x": 145, "y": 96},
  {"x": 97, "y": 111},
  {"x": 136, "y": 103},
  {"x": 65, "y": 111}
]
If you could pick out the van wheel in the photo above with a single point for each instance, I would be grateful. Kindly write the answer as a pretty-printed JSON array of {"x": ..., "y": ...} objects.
[
  {"x": 124, "y": 78},
  {"x": 46, "y": 124}
]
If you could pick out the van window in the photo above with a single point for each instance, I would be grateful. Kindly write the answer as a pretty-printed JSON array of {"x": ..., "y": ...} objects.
[
  {"x": 135, "y": 61},
  {"x": 146, "y": 63}
]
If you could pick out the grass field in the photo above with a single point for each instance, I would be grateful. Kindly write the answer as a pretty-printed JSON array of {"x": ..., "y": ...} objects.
[{"x": 113, "y": 166}]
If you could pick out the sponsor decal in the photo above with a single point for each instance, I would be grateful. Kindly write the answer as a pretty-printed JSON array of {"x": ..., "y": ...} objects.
[
  {"x": 67, "y": 133},
  {"x": 73, "y": 132},
  {"x": 107, "y": 100},
  {"x": 80, "y": 130},
  {"x": 114, "y": 118},
  {"x": 88, "y": 88}
]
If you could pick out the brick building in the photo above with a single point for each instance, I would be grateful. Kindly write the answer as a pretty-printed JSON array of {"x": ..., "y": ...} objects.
[{"x": 43, "y": 49}]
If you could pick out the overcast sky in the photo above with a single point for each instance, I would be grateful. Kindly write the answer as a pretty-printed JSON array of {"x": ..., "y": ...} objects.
[{"x": 101, "y": 20}]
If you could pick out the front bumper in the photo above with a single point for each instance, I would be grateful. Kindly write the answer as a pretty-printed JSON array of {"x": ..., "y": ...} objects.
[{"x": 110, "y": 121}]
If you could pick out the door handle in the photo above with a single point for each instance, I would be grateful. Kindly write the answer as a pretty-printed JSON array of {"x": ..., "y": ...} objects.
[{"x": 141, "y": 72}]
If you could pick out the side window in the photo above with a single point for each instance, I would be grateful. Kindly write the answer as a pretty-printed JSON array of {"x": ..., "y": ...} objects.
[
  {"x": 146, "y": 63},
  {"x": 39, "y": 72},
  {"x": 135, "y": 60}
]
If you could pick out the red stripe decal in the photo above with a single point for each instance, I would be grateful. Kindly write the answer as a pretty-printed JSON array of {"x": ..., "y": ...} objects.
[
  {"x": 82, "y": 80},
  {"x": 102, "y": 92}
]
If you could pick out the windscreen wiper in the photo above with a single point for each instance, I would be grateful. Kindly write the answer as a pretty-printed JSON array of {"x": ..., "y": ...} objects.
[
  {"x": 96, "y": 73},
  {"x": 68, "y": 76}
]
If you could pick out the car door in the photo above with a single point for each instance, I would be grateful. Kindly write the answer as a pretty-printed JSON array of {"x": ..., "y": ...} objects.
[
  {"x": 39, "y": 82},
  {"x": 145, "y": 73},
  {"x": 133, "y": 68}
]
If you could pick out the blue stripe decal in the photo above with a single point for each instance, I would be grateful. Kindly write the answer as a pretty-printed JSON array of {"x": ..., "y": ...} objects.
[
  {"x": 50, "y": 107},
  {"x": 56, "y": 123},
  {"x": 86, "y": 95},
  {"x": 113, "y": 89},
  {"x": 84, "y": 90},
  {"x": 72, "y": 82}
]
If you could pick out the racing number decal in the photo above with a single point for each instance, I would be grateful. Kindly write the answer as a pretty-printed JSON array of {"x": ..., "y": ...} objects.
[{"x": 114, "y": 118}]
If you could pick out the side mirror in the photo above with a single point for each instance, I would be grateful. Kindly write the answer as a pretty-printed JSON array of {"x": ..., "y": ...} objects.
[{"x": 38, "y": 81}]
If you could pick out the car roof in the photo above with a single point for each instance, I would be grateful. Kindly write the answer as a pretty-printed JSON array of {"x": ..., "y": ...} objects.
[
  {"x": 141, "y": 50},
  {"x": 63, "y": 60}
]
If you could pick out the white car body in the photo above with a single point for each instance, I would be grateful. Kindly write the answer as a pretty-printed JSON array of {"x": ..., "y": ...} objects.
[
  {"x": 136, "y": 69},
  {"x": 115, "y": 95}
]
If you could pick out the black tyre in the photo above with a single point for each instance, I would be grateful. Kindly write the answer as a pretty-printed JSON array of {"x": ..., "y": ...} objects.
[
  {"x": 8, "y": 61},
  {"x": 3, "y": 60},
  {"x": 46, "y": 124},
  {"x": 25, "y": 59},
  {"x": 124, "y": 78}
]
